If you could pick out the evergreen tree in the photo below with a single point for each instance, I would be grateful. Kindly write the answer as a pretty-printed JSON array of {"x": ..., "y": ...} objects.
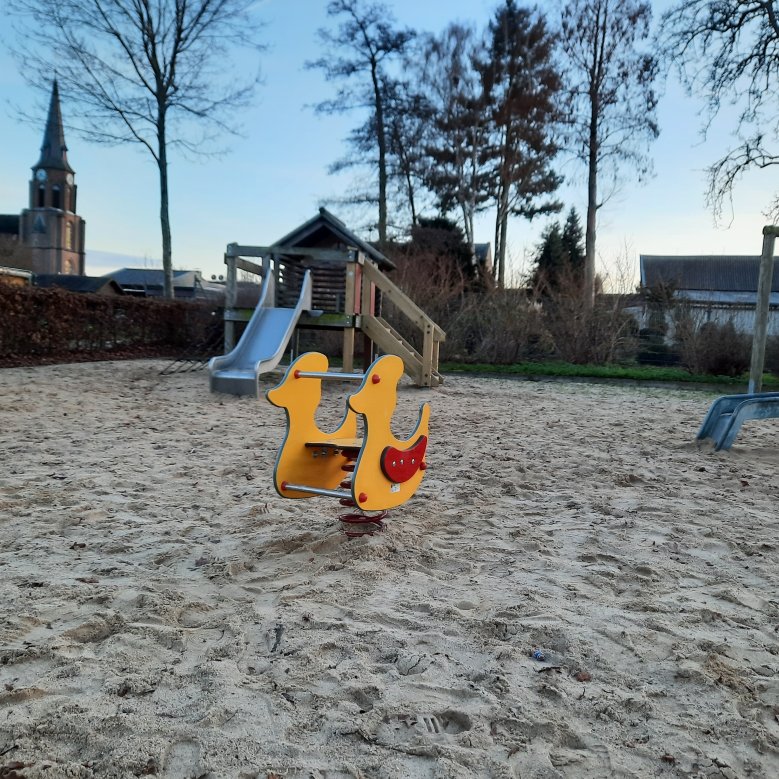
[
  {"x": 559, "y": 260},
  {"x": 441, "y": 236},
  {"x": 573, "y": 241}
]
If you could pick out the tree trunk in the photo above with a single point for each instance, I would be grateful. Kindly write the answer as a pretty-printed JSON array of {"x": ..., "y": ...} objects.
[
  {"x": 411, "y": 200},
  {"x": 592, "y": 206},
  {"x": 381, "y": 138},
  {"x": 167, "y": 253},
  {"x": 501, "y": 228}
]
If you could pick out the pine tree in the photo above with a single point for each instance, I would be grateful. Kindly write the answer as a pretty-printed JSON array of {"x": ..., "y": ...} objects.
[
  {"x": 573, "y": 242},
  {"x": 559, "y": 260}
]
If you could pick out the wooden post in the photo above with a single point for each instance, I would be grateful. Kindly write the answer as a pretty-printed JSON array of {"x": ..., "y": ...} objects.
[
  {"x": 761, "y": 312},
  {"x": 351, "y": 302},
  {"x": 231, "y": 290},
  {"x": 428, "y": 351},
  {"x": 368, "y": 309}
]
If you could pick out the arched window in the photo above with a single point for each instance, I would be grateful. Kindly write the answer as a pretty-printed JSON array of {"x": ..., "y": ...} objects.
[
  {"x": 69, "y": 236},
  {"x": 56, "y": 197},
  {"x": 41, "y": 196}
]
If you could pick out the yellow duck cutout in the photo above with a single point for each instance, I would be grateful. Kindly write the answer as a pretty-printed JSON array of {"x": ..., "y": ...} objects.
[{"x": 388, "y": 470}]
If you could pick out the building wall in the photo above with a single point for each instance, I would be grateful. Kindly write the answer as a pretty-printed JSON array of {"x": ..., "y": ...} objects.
[{"x": 743, "y": 318}]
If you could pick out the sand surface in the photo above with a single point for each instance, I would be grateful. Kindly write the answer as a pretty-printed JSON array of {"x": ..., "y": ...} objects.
[{"x": 164, "y": 613}]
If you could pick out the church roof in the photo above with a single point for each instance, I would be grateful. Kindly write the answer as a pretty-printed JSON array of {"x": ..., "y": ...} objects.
[
  {"x": 54, "y": 152},
  {"x": 326, "y": 231}
]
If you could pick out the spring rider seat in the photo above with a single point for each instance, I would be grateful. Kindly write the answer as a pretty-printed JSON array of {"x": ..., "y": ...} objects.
[{"x": 374, "y": 473}]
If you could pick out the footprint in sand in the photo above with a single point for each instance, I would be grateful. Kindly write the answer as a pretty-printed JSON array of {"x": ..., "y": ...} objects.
[
  {"x": 182, "y": 761},
  {"x": 399, "y": 730}
]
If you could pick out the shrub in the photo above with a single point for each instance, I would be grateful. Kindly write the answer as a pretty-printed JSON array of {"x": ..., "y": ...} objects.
[
  {"x": 45, "y": 325},
  {"x": 710, "y": 347},
  {"x": 499, "y": 326},
  {"x": 584, "y": 333}
]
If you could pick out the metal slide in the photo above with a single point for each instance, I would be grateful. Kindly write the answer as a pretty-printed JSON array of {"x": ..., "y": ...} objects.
[
  {"x": 728, "y": 413},
  {"x": 262, "y": 344}
]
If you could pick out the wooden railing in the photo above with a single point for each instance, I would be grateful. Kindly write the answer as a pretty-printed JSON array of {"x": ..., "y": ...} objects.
[{"x": 422, "y": 368}]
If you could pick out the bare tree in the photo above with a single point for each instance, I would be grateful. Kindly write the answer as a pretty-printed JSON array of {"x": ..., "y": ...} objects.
[
  {"x": 367, "y": 40},
  {"x": 612, "y": 100},
  {"x": 728, "y": 52},
  {"x": 152, "y": 72}
]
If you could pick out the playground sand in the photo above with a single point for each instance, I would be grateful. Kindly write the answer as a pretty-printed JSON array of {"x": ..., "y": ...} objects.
[{"x": 164, "y": 613}]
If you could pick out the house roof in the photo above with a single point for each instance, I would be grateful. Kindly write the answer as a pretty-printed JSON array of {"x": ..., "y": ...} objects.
[
  {"x": 77, "y": 283},
  {"x": 709, "y": 273},
  {"x": 327, "y": 231},
  {"x": 152, "y": 277},
  {"x": 150, "y": 282}
]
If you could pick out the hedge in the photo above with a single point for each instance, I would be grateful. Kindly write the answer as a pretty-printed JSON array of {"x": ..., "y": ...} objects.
[{"x": 54, "y": 325}]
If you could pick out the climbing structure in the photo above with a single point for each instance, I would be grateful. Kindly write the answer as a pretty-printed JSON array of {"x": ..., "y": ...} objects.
[{"x": 350, "y": 291}]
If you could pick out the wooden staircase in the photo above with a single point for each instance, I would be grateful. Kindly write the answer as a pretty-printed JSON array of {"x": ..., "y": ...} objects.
[{"x": 422, "y": 368}]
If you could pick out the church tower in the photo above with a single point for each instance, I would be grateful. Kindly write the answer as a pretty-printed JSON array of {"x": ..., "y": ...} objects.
[{"x": 50, "y": 226}]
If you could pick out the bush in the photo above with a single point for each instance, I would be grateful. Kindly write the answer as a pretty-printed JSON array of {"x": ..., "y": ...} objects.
[
  {"x": 710, "y": 347},
  {"x": 499, "y": 327},
  {"x": 653, "y": 350},
  {"x": 772, "y": 355},
  {"x": 585, "y": 333},
  {"x": 46, "y": 325}
]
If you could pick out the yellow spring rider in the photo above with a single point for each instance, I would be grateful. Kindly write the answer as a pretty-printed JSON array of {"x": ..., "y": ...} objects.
[{"x": 373, "y": 473}]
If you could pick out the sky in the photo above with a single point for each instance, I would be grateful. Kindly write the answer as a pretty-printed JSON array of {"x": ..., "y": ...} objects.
[{"x": 274, "y": 177}]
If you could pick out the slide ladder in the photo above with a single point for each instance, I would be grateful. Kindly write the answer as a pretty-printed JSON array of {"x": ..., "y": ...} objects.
[
  {"x": 262, "y": 344},
  {"x": 726, "y": 415}
]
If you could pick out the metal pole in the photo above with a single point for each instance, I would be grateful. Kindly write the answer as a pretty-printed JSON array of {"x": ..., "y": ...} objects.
[
  {"x": 328, "y": 375},
  {"x": 761, "y": 312},
  {"x": 316, "y": 490}
]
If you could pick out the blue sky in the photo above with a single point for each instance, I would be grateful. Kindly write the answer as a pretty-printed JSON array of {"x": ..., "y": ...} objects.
[{"x": 275, "y": 176}]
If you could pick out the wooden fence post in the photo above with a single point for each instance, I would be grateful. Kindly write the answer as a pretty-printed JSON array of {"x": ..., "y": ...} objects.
[{"x": 761, "y": 312}]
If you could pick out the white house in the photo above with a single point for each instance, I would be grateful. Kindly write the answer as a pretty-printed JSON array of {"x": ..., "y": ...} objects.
[{"x": 720, "y": 288}]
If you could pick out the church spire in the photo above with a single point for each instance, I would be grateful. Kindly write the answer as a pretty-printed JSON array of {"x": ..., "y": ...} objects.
[{"x": 54, "y": 152}]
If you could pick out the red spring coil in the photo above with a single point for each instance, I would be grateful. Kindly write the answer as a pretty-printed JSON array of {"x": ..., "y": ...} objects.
[{"x": 357, "y": 523}]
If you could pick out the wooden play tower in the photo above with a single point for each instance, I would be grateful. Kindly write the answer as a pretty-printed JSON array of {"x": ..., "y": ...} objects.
[{"x": 349, "y": 292}]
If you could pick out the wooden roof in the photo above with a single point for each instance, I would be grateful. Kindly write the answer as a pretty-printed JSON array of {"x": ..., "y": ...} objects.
[{"x": 326, "y": 231}]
